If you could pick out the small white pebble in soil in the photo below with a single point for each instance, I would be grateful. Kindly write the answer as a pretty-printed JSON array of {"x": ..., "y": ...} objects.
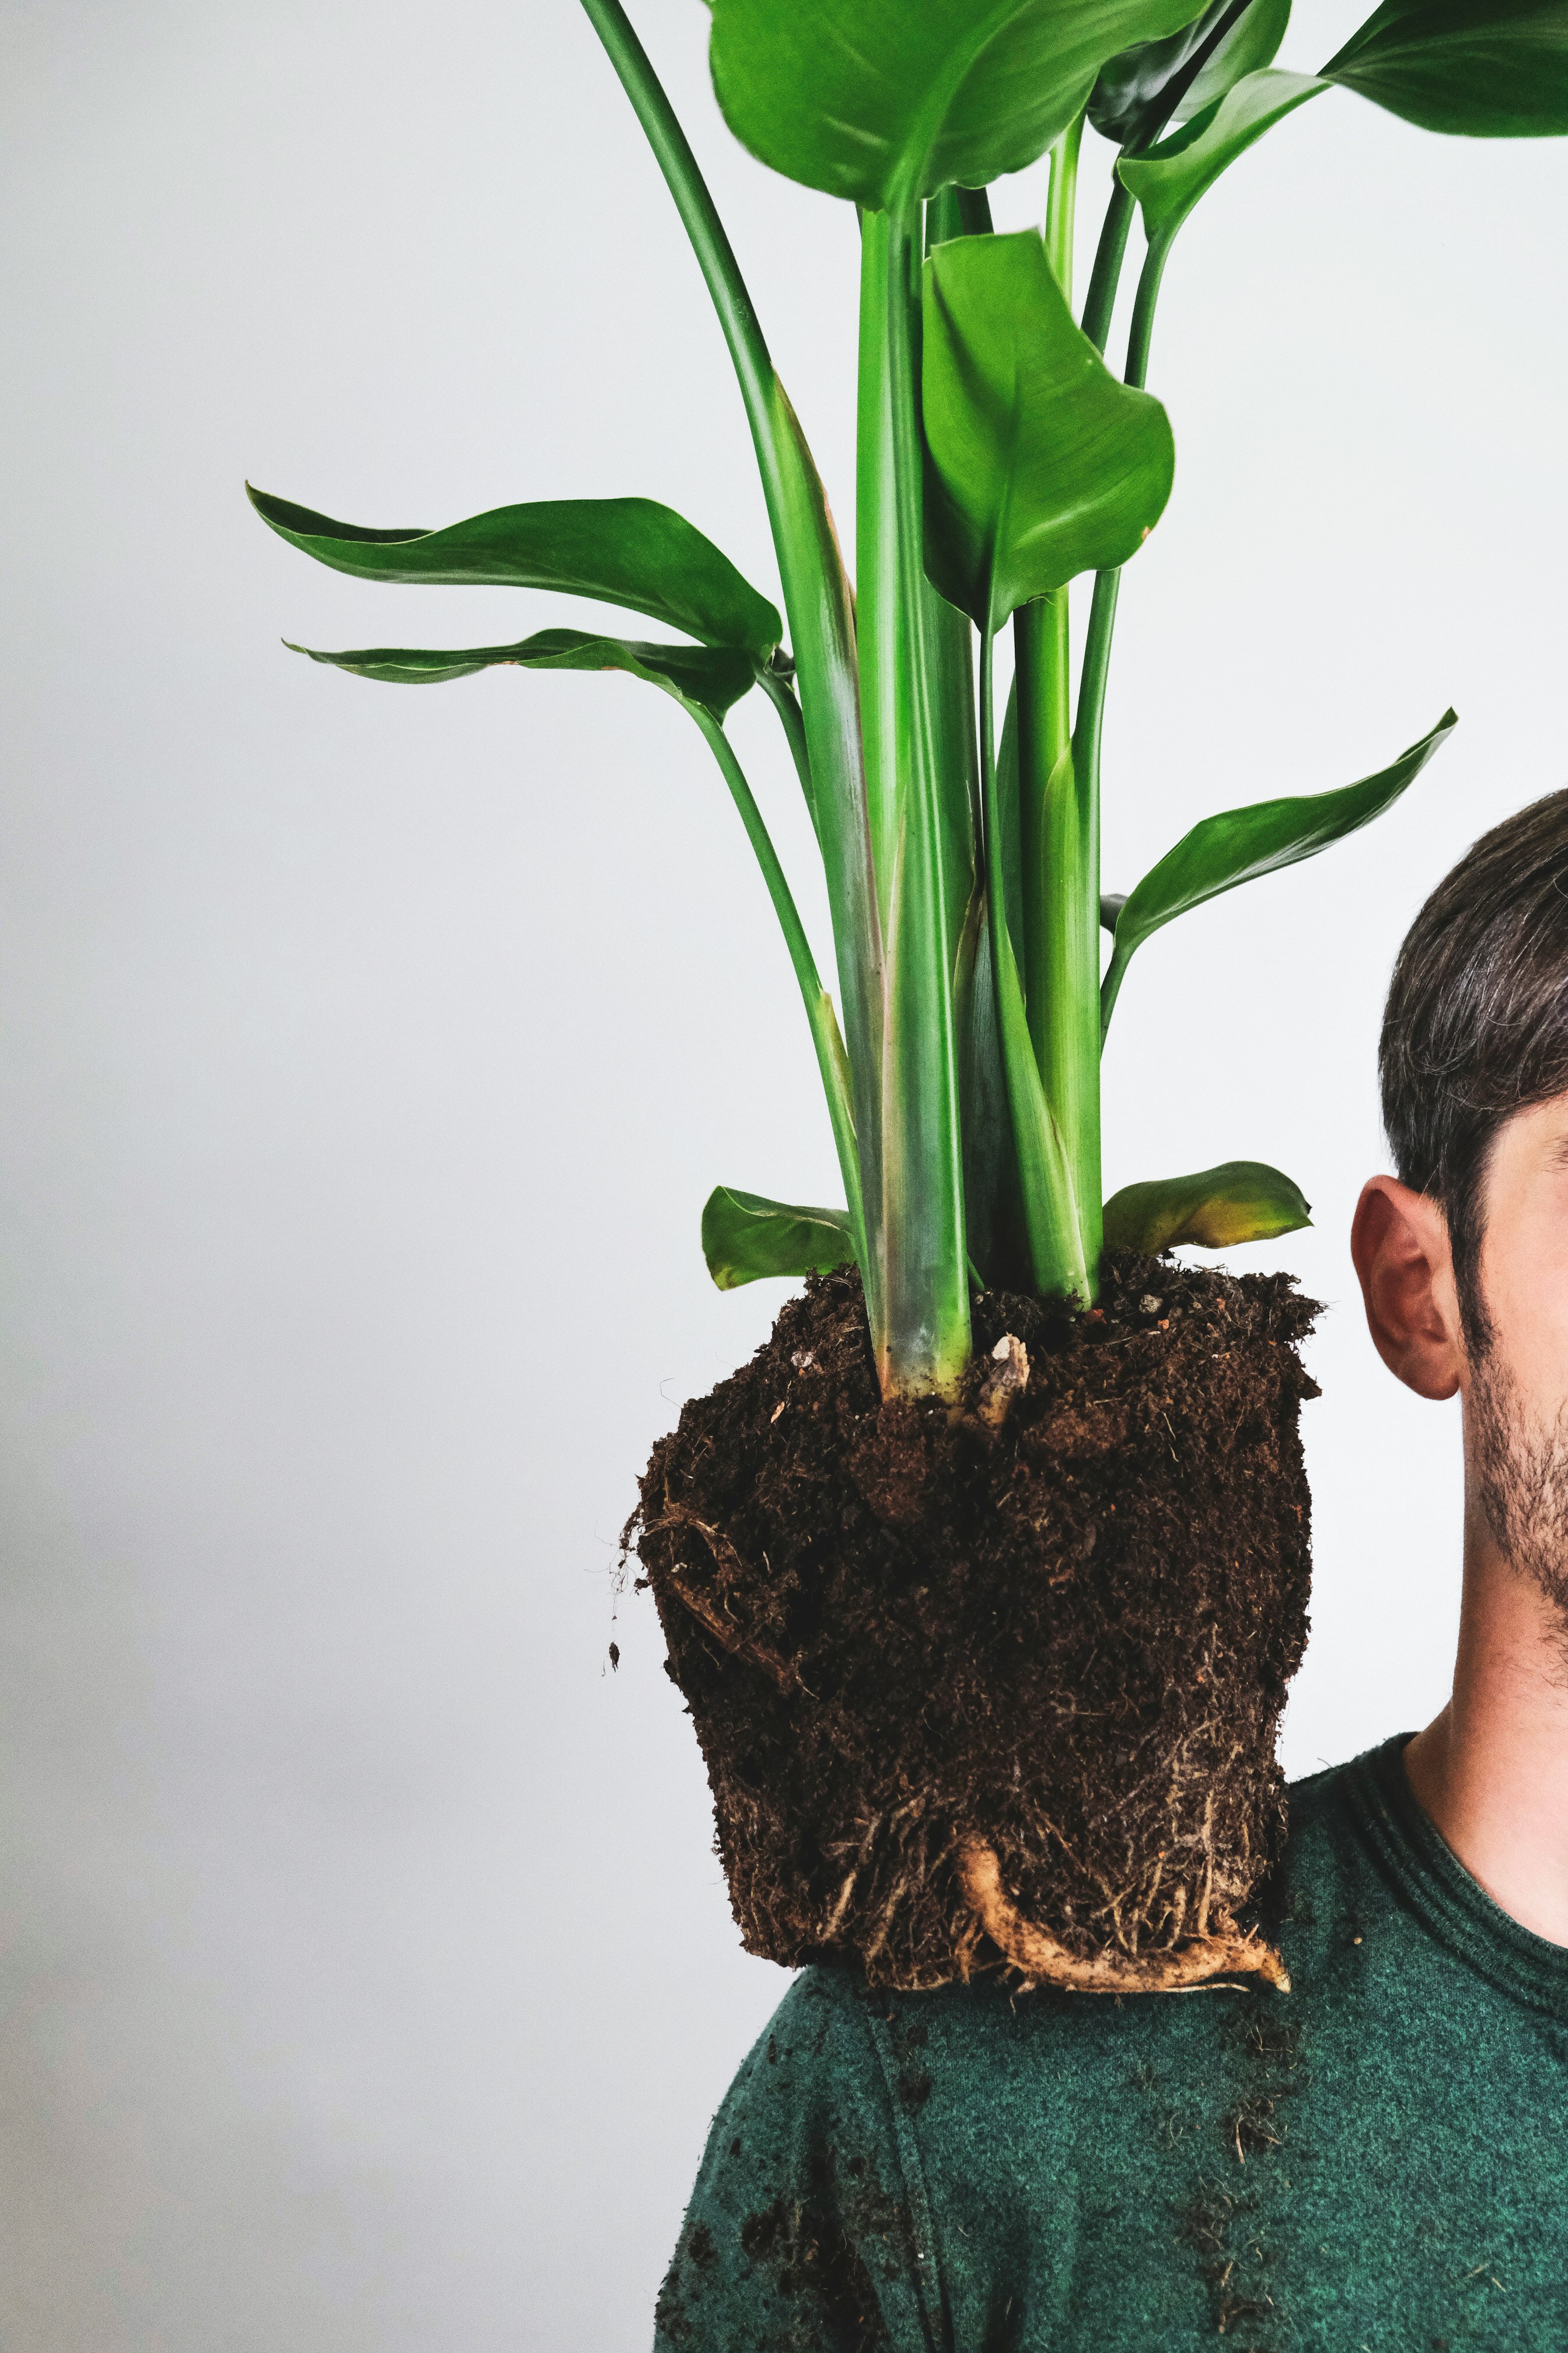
[
  {"x": 1149, "y": 1305},
  {"x": 802, "y": 1358}
]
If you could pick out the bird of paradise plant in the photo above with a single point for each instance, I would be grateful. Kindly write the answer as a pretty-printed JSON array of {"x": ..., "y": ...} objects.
[{"x": 999, "y": 459}]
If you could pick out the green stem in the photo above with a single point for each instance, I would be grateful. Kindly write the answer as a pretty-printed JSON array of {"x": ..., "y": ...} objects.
[
  {"x": 781, "y": 694},
  {"x": 1092, "y": 677},
  {"x": 1108, "y": 584},
  {"x": 1046, "y": 1195},
  {"x": 924, "y": 1342},
  {"x": 699, "y": 215},
  {"x": 1061, "y": 204},
  {"x": 1141, "y": 334},
  {"x": 1099, "y": 308},
  {"x": 1059, "y": 821},
  {"x": 831, "y": 1060},
  {"x": 1100, "y": 303},
  {"x": 1042, "y": 679},
  {"x": 1043, "y": 671},
  {"x": 1107, "y": 272},
  {"x": 1098, "y": 311},
  {"x": 950, "y": 640},
  {"x": 816, "y": 598},
  {"x": 1087, "y": 735},
  {"x": 950, "y": 646}
]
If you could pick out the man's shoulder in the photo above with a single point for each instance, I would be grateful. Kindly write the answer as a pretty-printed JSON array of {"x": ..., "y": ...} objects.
[
  {"x": 833, "y": 2032},
  {"x": 1316, "y": 1798},
  {"x": 835, "y": 2036},
  {"x": 825, "y": 2062},
  {"x": 1326, "y": 1871}
]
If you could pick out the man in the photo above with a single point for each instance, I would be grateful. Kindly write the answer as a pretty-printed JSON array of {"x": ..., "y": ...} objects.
[{"x": 1379, "y": 2159}]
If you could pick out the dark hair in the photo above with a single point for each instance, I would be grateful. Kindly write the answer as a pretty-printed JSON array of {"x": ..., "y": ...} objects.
[{"x": 1476, "y": 1023}]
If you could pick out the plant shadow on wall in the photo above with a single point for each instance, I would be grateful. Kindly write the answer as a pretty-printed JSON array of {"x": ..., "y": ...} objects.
[{"x": 984, "y": 1581}]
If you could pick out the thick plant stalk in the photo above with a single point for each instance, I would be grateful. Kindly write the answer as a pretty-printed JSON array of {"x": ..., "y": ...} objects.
[
  {"x": 949, "y": 643},
  {"x": 1059, "y": 820},
  {"x": 816, "y": 599},
  {"x": 921, "y": 1343},
  {"x": 1019, "y": 1174},
  {"x": 1060, "y": 829},
  {"x": 1051, "y": 1227},
  {"x": 992, "y": 1216}
]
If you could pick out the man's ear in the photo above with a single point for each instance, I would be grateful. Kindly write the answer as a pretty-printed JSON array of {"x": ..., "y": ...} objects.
[{"x": 1399, "y": 1241}]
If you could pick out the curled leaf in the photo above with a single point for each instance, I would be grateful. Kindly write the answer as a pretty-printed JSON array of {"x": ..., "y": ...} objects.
[
  {"x": 1137, "y": 92},
  {"x": 1043, "y": 464},
  {"x": 1239, "y": 1201},
  {"x": 1248, "y": 48},
  {"x": 713, "y": 678},
  {"x": 1169, "y": 180},
  {"x": 746, "y": 1236}
]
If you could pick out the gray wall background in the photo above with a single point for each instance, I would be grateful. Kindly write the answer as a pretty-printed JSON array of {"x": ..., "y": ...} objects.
[{"x": 365, "y": 1059}]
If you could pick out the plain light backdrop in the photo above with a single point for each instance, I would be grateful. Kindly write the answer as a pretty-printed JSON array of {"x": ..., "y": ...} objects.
[{"x": 365, "y": 1057}]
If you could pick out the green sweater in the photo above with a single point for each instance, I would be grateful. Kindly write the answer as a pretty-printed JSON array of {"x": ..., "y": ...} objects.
[{"x": 1373, "y": 2162}]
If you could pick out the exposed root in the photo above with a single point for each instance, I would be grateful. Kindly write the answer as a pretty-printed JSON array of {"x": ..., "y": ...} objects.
[
  {"x": 731, "y": 1566},
  {"x": 1040, "y": 1956},
  {"x": 830, "y": 1925},
  {"x": 1007, "y": 1373},
  {"x": 739, "y": 1646}
]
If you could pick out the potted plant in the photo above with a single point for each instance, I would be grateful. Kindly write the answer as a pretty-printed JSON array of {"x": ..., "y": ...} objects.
[{"x": 984, "y": 1580}]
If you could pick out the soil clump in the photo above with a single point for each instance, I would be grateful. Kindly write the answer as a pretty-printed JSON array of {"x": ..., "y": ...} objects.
[{"x": 996, "y": 1686}]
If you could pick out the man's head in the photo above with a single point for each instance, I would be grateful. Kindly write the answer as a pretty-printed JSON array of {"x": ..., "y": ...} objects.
[{"x": 1464, "y": 1259}]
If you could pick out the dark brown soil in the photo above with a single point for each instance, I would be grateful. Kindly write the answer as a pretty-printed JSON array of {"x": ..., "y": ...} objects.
[{"x": 899, "y": 1629}]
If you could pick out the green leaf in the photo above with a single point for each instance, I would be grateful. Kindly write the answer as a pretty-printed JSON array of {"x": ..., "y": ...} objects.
[
  {"x": 1042, "y": 464},
  {"x": 1133, "y": 100},
  {"x": 1169, "y": 180},
  {"x": 883, "y": 102},
  {"x": 1241, "y": 844},
  {"x": 1239, "y": 1201},
  {"x": 1248, "y": 48},
  {"x": 745, "y": 1236},
  {"x": 712, "y": 678},
  {"x": 630, "y": 551},
  {"x": 1484, "y": 69}
]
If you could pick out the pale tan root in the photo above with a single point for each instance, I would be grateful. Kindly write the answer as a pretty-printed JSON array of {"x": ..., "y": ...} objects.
[
  {"x": 1040, "y": 1956},
  {"x": 1007, "y": 1377}
]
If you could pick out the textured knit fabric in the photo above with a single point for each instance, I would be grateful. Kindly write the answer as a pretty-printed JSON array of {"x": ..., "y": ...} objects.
[{"x": 1376, "y": 2162}]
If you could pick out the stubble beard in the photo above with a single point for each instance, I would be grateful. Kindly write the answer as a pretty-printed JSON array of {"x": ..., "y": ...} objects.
[{"x": 1522, "y": 1477}]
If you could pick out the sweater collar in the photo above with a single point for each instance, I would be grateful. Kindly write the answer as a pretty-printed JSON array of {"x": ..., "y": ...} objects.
[{"x": 1422, "y": 1868}]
